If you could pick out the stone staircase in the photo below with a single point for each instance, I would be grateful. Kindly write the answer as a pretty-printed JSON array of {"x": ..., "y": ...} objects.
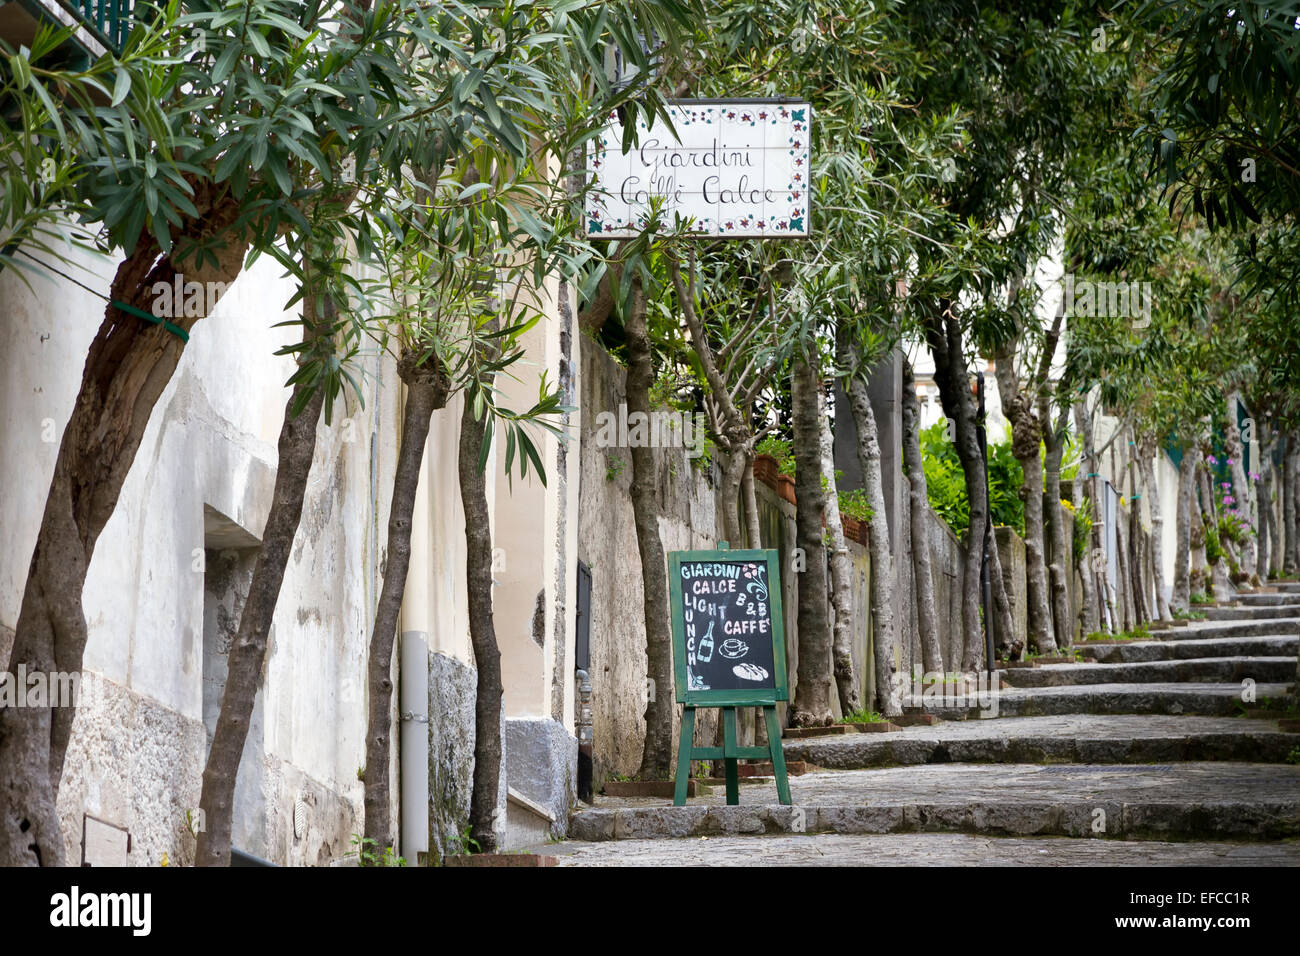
[{"x": 1143, "y": 742}]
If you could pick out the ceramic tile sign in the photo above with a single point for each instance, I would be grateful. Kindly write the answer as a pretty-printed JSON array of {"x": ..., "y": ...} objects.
[
  {"x": 734, "y": 170},
  {"x": 726, "y": 612}
]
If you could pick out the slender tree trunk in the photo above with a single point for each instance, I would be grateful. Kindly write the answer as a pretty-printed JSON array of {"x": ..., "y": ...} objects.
[
  {"x": 734, "y": 466},
  {"x": 812, "y": 707},
  {"x": 1090, "y": 614},
  {"x": 129, "y": 364},
  {"x": 427, "y": 387},
  {"x": 297, "y": 447},
  {"x": 1289, "y": 524},
  {"x": 1137, "y": 553},
  {"x": 1026, "y": 447},
  {"x": 884, "y": 626},
  {"x": 927, "y": 620},
  {"x": 1106, "y": 612},
  {"x": 483, "y": 811},
  {"x": 943, "y": 335},
  {"x": 1265, "y": 505},
  {"x": 1181, "y": 600},
  {"x": 1242, "y": 490},
  {"x": 1054, "y": 518},
  {"x": 1147, "y": 453},
  {"x": 1275, "y": 555},
  {"x": 753, "y": 526},
  {"x": 1009, "y": 645},
  {"x": 657, "y": 752},
  {"x": 846, "y": 680}
]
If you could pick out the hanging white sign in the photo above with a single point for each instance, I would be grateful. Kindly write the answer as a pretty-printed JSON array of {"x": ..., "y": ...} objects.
[{"x": 735, "y": 169}]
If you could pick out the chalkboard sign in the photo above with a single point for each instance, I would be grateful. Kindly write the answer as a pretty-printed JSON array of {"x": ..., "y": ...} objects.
[{"x": 728, "y": 633}]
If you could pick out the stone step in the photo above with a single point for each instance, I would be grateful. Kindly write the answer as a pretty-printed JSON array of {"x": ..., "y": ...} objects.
[
  {"x": 1261, "y": 600},
  {"x": 1198, "y": 630},
  {"x": 1116, "y": 698},
  {"x": 1225, "y": 670},
  {"x": 1098, "y": 739},
  {"x": 917, "y": 849},
  {"x": 1252, "y": 612},
  {"x": 1278, "y": 645},
  {"x": 1236, "y": 801}
]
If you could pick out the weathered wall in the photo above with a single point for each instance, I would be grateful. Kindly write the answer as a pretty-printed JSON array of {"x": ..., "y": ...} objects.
[
  {"x": 1011, "y": 554},
  {"x": 947, "y": 560},
  {"x": 689, "y": 520},
  {"x": 607, "y": 545},
  {"x": 206, "y": 465}
]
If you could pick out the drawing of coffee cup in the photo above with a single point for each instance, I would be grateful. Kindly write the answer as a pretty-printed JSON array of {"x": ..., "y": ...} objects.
[{"x": 733, "y": 648}]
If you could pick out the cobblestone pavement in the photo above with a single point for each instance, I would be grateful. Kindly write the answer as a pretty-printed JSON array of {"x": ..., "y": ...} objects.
[
  {"x": 918, "y": 849},
  {"x": 957, "y": 784},
  {"x": 1104, "y": 726}
]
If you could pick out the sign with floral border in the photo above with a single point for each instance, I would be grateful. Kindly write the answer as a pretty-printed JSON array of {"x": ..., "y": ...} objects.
[{"x": 735, "y": 169}]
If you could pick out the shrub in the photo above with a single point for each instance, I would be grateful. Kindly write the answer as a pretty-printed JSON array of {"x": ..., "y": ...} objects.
[
  {"x": 779, "y": 449},
  {"x": 854, "y": 505}
]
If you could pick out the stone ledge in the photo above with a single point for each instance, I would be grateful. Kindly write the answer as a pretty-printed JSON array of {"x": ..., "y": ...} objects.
[{"x": 493, "y": 860}]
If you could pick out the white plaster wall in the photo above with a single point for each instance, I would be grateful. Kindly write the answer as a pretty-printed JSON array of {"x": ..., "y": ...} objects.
[{"x": 136, "y": 755}]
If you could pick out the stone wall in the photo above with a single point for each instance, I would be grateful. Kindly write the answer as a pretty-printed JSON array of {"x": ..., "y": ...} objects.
[
  {"x": 948, "y": 559},
  {"x": 689, "y": 519}
]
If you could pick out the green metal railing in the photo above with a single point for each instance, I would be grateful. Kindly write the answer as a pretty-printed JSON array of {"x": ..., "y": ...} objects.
[{"x": 109, "y": 19}]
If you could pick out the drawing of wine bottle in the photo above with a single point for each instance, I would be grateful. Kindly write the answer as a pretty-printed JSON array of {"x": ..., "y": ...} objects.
[{"x": 705, "y": 652}]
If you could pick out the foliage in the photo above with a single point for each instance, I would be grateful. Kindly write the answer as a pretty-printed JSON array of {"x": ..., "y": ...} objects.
[
  {"x": 779, "y": 449},
  {"x": 946, "y": 483},
  {"x": 854, "y": 504},
  {"x": 367, "y": 854},
  {"x": 1082, "y": 530},
  {"x": 864, "y": 717}
]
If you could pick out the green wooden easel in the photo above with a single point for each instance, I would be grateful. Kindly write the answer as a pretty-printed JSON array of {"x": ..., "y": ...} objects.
[
  {"x": 730, "y": 752},
  {"x": 765, "y": 697}
]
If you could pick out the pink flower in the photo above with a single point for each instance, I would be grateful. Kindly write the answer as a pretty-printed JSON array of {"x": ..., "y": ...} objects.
[
  {"x": 1228, "y": 499},
  {"x": 1225, "y": 484},
  {"x": 1230, "y": 461},
  {"x": 1211, "y": 459}
]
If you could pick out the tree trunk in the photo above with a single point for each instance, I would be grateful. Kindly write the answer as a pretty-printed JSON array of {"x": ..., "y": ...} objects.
[
  {"x": 1289, "y": 524},
  {"x": 735, "y": 463},
  {"x": 927, "y": 620},
  {"x": 129, "y": 364},
  {"x": 884, "y": 627},
  {"x": 1275, "y": 552},
  {"x": 1010, "y": 647},
  {"x": 1105, "y": 599},
  {"x": 1026, "y": 447},
  {"x": 753, "y": 526},
  {"x": 297, "y": 447},
  {"x": 427, "y": 387},
  {"x": 1137, "y": 554},
  {"x": 1264, "y": 501},
  {"x": 483, "y": 811},
  {"x": 846, "y": 681},
  {"x": 1147, "y": 453},
  {"x": 1054, "y": 518},
  {"x": 943, "y": 336},
  {"x": 1181, "y": 600},
  {"x": 657, "y": 752},
  {"x": 812, "y": 706},
  {"x": 1090, "y": 613},
  {"x": 1242, "y": 490}
]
